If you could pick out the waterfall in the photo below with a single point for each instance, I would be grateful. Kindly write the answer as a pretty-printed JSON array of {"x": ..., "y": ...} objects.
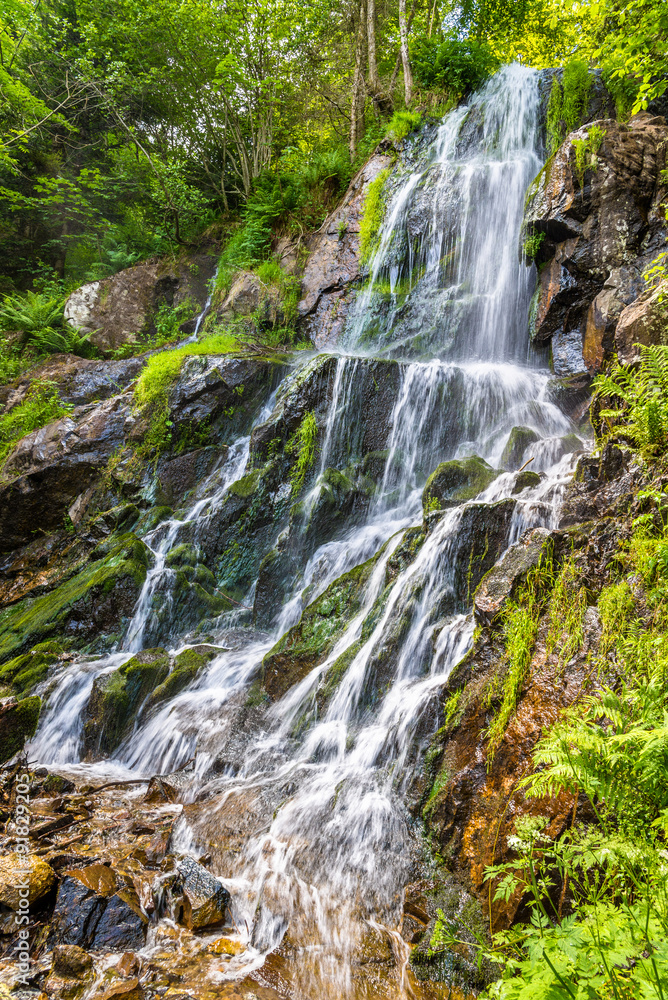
[{"x": 317, "y": 784}]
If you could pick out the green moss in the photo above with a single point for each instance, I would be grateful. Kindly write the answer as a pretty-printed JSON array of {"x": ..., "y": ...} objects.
[
  {"x": 182, "y": 555},
  {"x": 455, "y": 482},
  {"x": 247, "y": 485},
  {"x": 25, "y": 671},
  {"x": 332, "y": 678},
  {"x": 17, "y": 724},
  {"x": 41, "y": 405},
  {"x": 567, "y": 106},
  {"x": 187, "y": 665},
  {"x": 586, "y": 151},
  {"x": 36, "y": 618},
  {"x": 374, "y": 210},
  {"x": 402, "y": 123}
]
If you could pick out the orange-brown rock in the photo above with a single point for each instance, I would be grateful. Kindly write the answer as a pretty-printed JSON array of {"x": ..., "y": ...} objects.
[{"x": 645, "y": 321}]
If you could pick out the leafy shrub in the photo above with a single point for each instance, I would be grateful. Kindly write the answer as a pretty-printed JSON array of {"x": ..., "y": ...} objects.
[
  {"x": 302, "y": 443},
  {"x": 638, "y": 400},
  {"x": 452, "y": 64},
  {"x": 41, "y": 405},
  {"x": 532, "y": 245},
  {"x": 38, "y": 317}
]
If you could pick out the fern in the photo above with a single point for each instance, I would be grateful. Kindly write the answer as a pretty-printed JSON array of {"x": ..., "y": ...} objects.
[{"x": 638, "y": 400}]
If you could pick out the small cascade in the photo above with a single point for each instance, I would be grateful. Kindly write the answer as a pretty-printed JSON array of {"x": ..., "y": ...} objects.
[{"x": 435, "y": 367}]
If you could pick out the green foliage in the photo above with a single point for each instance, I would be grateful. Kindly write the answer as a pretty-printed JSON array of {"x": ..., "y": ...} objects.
[
  {"x": 402, "y": 123},
  {"x": 637, "y": 401},
  {"x": 532, "y": 245},
  {"x": 452, "y": 64},
  {"x": 374, "y": 210},
  {"x": 38, "y": 318},
  {"x": 586, "y": 151},
  {"x": 568, "y": 102},
  {"x": 631, "y": 45},
  {"x": 302, "y": 444},
  {"x": 566, "y": 610},
  {"x": 40, "y": 406}
]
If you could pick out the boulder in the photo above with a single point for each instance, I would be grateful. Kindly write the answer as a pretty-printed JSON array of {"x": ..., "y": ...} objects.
[
  {"x": 71, "y": 972},
  {"x": 333, "y": 265},
  {"x": 200, "y": 899},
  {"x": 603, "y": 225},
  {"x": 644, "y": 321},
  {"x": 518, "y": 441},
  {"x": 122, "y": 308},
  {"x": 115, "y": 698},
  {"x": 481, "y": 539},
  {"x": 525, "y": 480},
  {"x": 17, "y": 870},
  {"x": 79, "y": 380},
  {"x": 98, "y": 908},
  {"x": 18, "y": 722},
  {"x": 502, "y": 582},
  {"x": 456, "y": 481},
  {"x": 250, "y": 296}
]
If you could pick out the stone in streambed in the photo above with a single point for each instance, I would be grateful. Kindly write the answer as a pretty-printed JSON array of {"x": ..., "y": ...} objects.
[
  {"x": 519, "y": 440},
  {"x": 98, "y": 908},
  {"x": 502, "y": 582},
  {"x": 18, "y": 869},
  {"x": 525, "y": 479},
  {"x": 18, "y": 722},
  {"x": 201, "y": 899},
  {"x": 456, "y": 481}
]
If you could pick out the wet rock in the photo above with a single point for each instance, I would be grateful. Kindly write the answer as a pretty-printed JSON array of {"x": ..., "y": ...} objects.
[
  {"x": 98, "y": 908},
  {"x": 482, "y": 537},
  {"x": 603, "y": 226},
  {"x": 308, "y": 642},
  {"x": 642, "y": 322},
  {"x": 338, "y": 503},
  {"x": 18, "y": 722},
  {"x": 79, "y": 380},
  {"x": 185, "y": 668},
  {"x": 71, "y": 971},
  {"x": 333, "y": 265},
  {"x": 250, "y": 296},
  {"x": 202, "y": 899},
  {"x": 519, "y": 440},
  {"x": 23, "y": 672},
  {"x": 122, "y": 308},
  {"x": 525, "y": 480},
  {"x": 456, "y": 481},
  {"x": 275, "y": 581},
  {"x": 224, "y": 391},
  {"x": 115, "y": 698},
  {"x": 501, "y": 583},
  {"x": 181, "y": 474},
  {"x": 18, "y": 871}
]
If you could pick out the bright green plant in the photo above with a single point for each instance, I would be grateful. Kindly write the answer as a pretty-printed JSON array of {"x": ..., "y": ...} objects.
[
  {"x": 40, "y": 406},
  {"x": 638, "y": 400},
  {"x": 374, "y": 210},
  {"x": 31, "y": 313},
  {"x": 586, "y": 151},
  {"x": 452, "y": 64},
  {"x": 402, "y": 123},
  {"x": 302, "y": 444},
  {"x": 566, "y": 611},
  {"x": 567, "y": 106},
  {"x": 532, "y": 245}
]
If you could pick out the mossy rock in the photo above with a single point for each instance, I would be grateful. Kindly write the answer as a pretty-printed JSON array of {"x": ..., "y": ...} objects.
[
  {"x": 187, "y": 665},
  {"x": 18, "y": 722},
  {"x": 25, "y": 671},
  {"x": 182, "y": 555},
  {"x": 115, "y": 698},
  {"x": 524, "y": 480},
  {"x": 456, "y": 481},
  {"x": 518, "y": 442},
  {"x": 308, "y": 642},
  {"x": 86, "y": 606}
]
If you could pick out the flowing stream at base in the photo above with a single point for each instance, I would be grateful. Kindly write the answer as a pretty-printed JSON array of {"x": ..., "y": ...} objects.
[{"x": 316, "y": 780}]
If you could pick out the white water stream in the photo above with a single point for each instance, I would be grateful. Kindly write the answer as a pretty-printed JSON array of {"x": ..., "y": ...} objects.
[{"x": 317, "y": 783}]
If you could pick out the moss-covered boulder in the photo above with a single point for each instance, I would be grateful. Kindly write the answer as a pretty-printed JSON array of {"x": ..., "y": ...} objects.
[
  {"x": 519, "y": 440},
  {"x": 18, "y": 722},
  {"x": 186, "y": 667},
  {"x": 94, "y": 603},
  {"x": 307, "y": 644},
  {"x": 456, "y": 481},
  {"x": 23, "y": 672},
  {"x": 116, "y": 697},
  {"x": 524, "y": 480}
]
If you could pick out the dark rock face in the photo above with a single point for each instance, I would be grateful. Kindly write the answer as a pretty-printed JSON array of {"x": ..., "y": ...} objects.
[
  {"x": 603, "y": 225},
  {"x": 482, "y": 537},
  {"x": 120, "y": 308},
  {"x": 334, "y": 265},
  {"x": 502, "y": 582},
  {"x": 200, "y": 900},
  {"x": 99, "y": 909}
]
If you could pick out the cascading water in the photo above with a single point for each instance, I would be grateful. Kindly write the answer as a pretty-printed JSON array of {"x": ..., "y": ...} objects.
[{"x": 316, "y": 784}]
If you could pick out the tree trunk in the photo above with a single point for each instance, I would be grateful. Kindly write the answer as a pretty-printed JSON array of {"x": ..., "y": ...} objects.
[
  {"x": 403, "y": 35},
  {"x": 371, "y": 44},
  {"x": 357, "y": 104}
]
